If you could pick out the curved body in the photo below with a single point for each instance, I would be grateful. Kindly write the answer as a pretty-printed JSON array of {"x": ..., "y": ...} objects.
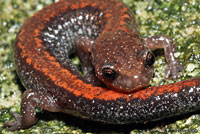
[{"x": 42, "y": 55}]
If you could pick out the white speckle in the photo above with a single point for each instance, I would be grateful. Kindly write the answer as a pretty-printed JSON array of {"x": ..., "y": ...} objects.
[
  {"x": 59, "y": 27},
  {"x": 50, "y": 35},
  {"x": 94, "y": 27},
  {"x": 66, "y": 23},
  {"x": 87, "y": 16},
  {"x": 63, "y": 37},
  {"x": 56, "y": 31},
  {"x": 135, "y": 76},
  {"x": 191, "y": 90},
  {"x": 161, "y": 38},
  {"x": 50, "y": 29},
  {"x": 92, "y": 18},
  {"x": 80, "y": 31},
  {"x": 80, "y": 17},
  {"x": 157, "y": 97},
  {"x": 89, "y": 31},
  {"x": 48, "y": 40},
  {"x": 100, "y": 14},
  {"x": 92, "y": 42},
  {"x": 175, "y": 95},
  {"x": 198, "y": 89},
  {"x": 73, "y": 20}
]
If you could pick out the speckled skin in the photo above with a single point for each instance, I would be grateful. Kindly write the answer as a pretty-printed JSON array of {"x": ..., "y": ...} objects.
[{"x": 106, "y": 39}]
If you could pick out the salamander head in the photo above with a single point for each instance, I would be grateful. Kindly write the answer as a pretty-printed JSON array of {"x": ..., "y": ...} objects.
[{"x": 125, "y": 66}]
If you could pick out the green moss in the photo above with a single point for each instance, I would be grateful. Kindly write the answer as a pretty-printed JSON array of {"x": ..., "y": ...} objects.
[{"x": 178, "y": 19}]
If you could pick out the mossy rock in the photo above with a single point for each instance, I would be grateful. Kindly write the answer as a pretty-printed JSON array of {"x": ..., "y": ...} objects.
[{"x": 179, "y": 19}]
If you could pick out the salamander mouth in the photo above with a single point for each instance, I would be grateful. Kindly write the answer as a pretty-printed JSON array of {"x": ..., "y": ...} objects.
[{"x": 130, "y": 90}]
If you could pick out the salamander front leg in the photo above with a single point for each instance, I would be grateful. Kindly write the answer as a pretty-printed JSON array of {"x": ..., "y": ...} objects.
[
  {"x": 31, "y": 100},
  {"x": 83, "y": 50},
  {"x": 167, "y": 43}
]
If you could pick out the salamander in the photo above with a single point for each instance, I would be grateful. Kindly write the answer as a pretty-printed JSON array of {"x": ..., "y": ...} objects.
[{"x": 111, "y": 86}]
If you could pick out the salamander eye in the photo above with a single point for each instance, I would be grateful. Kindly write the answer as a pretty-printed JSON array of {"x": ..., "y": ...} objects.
[
  {"x": 109, "y": 71},
  {"x": 150, "y": 59}
]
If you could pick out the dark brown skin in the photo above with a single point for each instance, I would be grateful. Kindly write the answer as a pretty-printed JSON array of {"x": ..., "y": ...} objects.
[
  {"x": 126, "y": 55},
  {"x": 116, "y": 63}
]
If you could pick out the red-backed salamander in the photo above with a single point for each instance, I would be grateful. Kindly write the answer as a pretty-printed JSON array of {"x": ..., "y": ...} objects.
[{"x": 115, "y": 61}]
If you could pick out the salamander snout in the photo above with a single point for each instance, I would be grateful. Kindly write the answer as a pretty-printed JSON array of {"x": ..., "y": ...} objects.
[
  {"x": 127, "y": 81},
  {"x": 129, "y": 76}
]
